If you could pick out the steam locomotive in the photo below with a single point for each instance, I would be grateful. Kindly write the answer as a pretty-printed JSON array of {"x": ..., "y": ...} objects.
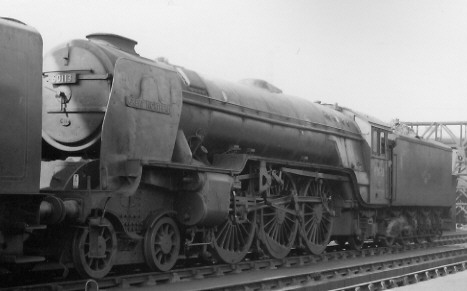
[{"x": 146, "y": 163}]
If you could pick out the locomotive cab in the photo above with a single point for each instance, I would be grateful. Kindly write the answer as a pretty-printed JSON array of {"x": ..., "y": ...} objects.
[
  {"x": 377, "y": 157},
  {"x": 380, "y": 166}
]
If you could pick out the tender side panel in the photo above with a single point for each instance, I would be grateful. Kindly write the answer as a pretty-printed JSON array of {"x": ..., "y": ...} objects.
[
  {"x": 20, "y": 107},
  {"x": 422, "y": 174}
]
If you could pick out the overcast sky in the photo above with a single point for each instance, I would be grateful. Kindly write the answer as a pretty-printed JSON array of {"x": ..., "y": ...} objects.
[{"x": 391, "y": 59}]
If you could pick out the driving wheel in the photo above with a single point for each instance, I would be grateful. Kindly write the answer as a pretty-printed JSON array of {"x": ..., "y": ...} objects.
[
  {"x": 233, "y": 238},
  {"x": 317, "y": 220}
]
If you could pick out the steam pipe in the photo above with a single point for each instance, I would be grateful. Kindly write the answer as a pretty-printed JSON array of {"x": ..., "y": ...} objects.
[{"x": 54, "y": 210}]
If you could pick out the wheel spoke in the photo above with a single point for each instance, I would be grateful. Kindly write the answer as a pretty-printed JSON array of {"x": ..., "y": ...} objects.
[
  {"x": 220, "y": 237},
  {"x": 241, "y": 233},
  {"x": 228, "y": 238},
  {"x": 224, "y": 234},
  {"x": 232, "y": 240}
]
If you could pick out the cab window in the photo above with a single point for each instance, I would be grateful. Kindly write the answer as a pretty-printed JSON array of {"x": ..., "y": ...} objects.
[{"x": 379, "y": 141}]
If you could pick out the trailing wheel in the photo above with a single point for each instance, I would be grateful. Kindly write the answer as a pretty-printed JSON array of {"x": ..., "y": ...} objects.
[
  {"x": 162, "y": 244},
  {"x": 404, "y": 239},
  {"x": 317, "y": 218},
  {"x": 357, "y": 239},
  {"x": 386, "y": 241},
  {"x": 94, "y": 248},
  {"x": 356, "y": 242}
]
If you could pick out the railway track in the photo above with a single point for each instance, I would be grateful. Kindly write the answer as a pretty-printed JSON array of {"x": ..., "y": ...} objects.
[
  {"x": 410, "y": 278},
  {"x": 368, "y": 269}
]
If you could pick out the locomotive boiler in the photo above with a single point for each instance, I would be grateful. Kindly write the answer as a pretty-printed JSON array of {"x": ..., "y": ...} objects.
[{"x": 145, "y": 162}]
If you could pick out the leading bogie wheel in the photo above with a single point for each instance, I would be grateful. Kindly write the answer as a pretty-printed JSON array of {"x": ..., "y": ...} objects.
[
  {"x": 94, "y": 249},
  {"x": 162, "y": 244}
]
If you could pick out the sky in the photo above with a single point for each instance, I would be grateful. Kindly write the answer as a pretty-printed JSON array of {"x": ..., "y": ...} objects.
[{"x": 404, "y": 59}]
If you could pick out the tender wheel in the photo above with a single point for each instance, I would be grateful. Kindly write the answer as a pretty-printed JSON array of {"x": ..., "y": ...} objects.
[
  {"x": 316, "y": 223},
  {"x": 427, "y": 226},
  {"x": 94, "y": 249},
  {"x": 423, "y": 227},
  {"x": 437, "y": 224},
  {"x": 162, "y": 244},
  {"x": 233, "y": 239}
]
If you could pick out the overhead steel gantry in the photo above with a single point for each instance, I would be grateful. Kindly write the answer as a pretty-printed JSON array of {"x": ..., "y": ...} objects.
[{"x": 453, "y": 134}]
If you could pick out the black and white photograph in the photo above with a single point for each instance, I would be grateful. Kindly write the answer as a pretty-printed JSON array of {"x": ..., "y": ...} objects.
[{"x": 233, "y": 145}]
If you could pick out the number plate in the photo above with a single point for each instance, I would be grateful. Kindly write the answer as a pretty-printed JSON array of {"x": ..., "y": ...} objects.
[{"x": 63, "y": 78}]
